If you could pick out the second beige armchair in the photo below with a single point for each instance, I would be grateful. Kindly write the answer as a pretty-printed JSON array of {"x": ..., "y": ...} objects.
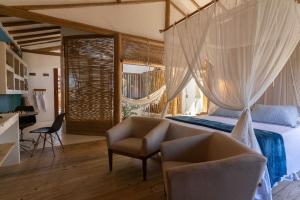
[
  {"x": 137, "y": 137},
  {"x": 210, "y": 166}
]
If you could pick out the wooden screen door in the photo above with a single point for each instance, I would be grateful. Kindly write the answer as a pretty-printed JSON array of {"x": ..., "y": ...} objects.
[{"x": 89, "y": 85}]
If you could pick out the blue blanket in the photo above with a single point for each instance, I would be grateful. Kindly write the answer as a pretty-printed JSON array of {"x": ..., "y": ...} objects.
[{"x": 271, "y": 144}]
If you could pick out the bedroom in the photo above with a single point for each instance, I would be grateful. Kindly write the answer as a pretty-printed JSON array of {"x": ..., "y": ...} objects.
[{"x": 209, "y": 68}]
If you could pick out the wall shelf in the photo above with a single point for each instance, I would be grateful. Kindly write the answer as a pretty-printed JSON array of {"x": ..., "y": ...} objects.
[{"x": 13, "y": 72}]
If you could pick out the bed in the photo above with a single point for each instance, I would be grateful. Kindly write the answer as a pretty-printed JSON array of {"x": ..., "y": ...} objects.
[{"x": 290, "y": 136}]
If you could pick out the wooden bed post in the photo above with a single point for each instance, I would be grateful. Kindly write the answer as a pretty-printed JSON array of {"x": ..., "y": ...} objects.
[
  {"x": 118, "y": 78},
  {"x": 167, "y": 13}
]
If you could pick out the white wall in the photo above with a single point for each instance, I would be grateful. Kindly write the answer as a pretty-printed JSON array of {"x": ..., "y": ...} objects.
[
  {"x": 40, "y": 64},
  {"x": 192, "y": 99},
  {"x": 138, "y": 69},
  {"x": 137, "y": 19}
]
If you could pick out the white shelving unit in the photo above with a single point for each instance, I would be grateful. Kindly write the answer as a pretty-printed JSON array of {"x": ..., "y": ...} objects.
[
  {"x": 13, "y": 72},
  {"x": 9, "y": 140}
]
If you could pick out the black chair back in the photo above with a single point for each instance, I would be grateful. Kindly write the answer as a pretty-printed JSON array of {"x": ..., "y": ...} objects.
[
  {"x": 27, "y": 119},
  {"x": 57, "y": 122}
]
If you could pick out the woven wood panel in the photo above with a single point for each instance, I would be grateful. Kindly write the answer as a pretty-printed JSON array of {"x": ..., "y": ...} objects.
[
  {"x": 89, "y": 63},
  {"x": 141, "y": 53}
]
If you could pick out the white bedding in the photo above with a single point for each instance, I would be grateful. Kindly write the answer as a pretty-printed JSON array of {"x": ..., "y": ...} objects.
[{"x": 291, "y": 138}]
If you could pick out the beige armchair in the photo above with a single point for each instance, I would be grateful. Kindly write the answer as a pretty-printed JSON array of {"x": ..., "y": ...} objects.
[
  {"x": 210, "y": 166},
  {"x": 137, "y": 137}
]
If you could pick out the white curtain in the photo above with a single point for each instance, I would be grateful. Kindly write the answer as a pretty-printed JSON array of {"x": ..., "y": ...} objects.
[
  {"x": 177, "y": 74},
  {"x": 298, "y": 8},
  {"x": 151, "y": 98},
  {"x": 246, "y": 46},
  {"x": 285, "y": 90}
]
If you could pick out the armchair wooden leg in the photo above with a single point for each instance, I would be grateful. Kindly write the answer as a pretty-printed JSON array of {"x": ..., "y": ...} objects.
[
  {"x": 144, "y": 168},
  {"x": 110, "y": 159}
]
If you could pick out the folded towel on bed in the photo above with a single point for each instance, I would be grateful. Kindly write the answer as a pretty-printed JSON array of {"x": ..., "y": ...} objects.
[{"x": 271, "y": 144}]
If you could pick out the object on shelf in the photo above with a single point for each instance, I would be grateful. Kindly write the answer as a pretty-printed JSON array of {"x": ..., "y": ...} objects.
[{"x": 39, "y": 98}]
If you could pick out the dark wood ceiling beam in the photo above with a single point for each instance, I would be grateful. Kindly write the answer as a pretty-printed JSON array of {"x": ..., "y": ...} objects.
[
  {"x": 39, "y": 43},
  {"x": 10, "y": 11},
  {"x": 195, "y": 4},
  {"x": 29, "y": 30},
  {"x": 191, "y": 14},
  {"x": 41, "y": 52},
  {"x": 79, "y": 5},
  {"x": 54, "y": 48},
  {"x": 143, "y": 40},
  {"x": 36, "y": 35},
  {"x": 19, "y": 23},
  {"x": 38, "y": 40},
  {"x": 178, "y": 9}
]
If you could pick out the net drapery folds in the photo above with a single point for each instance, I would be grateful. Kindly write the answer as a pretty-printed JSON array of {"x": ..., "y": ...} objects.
[
  {"x": 141, "y": 53},
  {"x": 285, "y": 90},
  {"x": 89, "y": 63}
]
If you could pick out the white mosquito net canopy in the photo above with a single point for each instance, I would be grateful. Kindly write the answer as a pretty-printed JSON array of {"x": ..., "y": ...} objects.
[{"x": 235, "y": 49}]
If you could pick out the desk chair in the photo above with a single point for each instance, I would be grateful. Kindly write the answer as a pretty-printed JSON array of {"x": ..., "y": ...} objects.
[
  {"x": 25, "y": 122},
  {"x": 49, "y": 131}
]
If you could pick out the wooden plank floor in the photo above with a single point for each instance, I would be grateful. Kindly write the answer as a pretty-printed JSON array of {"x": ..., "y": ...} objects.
[{"x": 80, "y": 172}]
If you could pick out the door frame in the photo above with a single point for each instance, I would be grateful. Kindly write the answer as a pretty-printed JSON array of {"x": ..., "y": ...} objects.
[{"x": 56, "y": 100}]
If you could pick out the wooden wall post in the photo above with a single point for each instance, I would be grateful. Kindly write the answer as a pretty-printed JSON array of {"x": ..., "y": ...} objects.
[
  {"x": 205, "y": 104},
  {"x": 118, "y": 78},
  {"x": 167, "y": 24},
  {"x": 167, "y": 13}
]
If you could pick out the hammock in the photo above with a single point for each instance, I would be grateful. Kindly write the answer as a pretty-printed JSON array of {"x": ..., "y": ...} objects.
[{"x": 151, "y": 98}]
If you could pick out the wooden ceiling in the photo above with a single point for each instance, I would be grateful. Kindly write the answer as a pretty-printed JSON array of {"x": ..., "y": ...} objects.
[
  {"x": 32, "y": 35},
  {"x": 177, "y": 4}
]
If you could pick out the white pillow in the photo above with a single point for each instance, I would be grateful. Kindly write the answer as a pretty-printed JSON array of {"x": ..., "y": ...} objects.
[
  {"x": 226, "y": 113},
  {"x": 281, "y": 115}
]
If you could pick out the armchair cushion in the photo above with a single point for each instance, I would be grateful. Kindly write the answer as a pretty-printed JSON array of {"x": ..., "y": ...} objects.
[
  {"x": 171, "y": 164},
  {"x": 141, "y": 126},
  {"x": 187, "y": 149},
  {"x": 129, "y": 145}
]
